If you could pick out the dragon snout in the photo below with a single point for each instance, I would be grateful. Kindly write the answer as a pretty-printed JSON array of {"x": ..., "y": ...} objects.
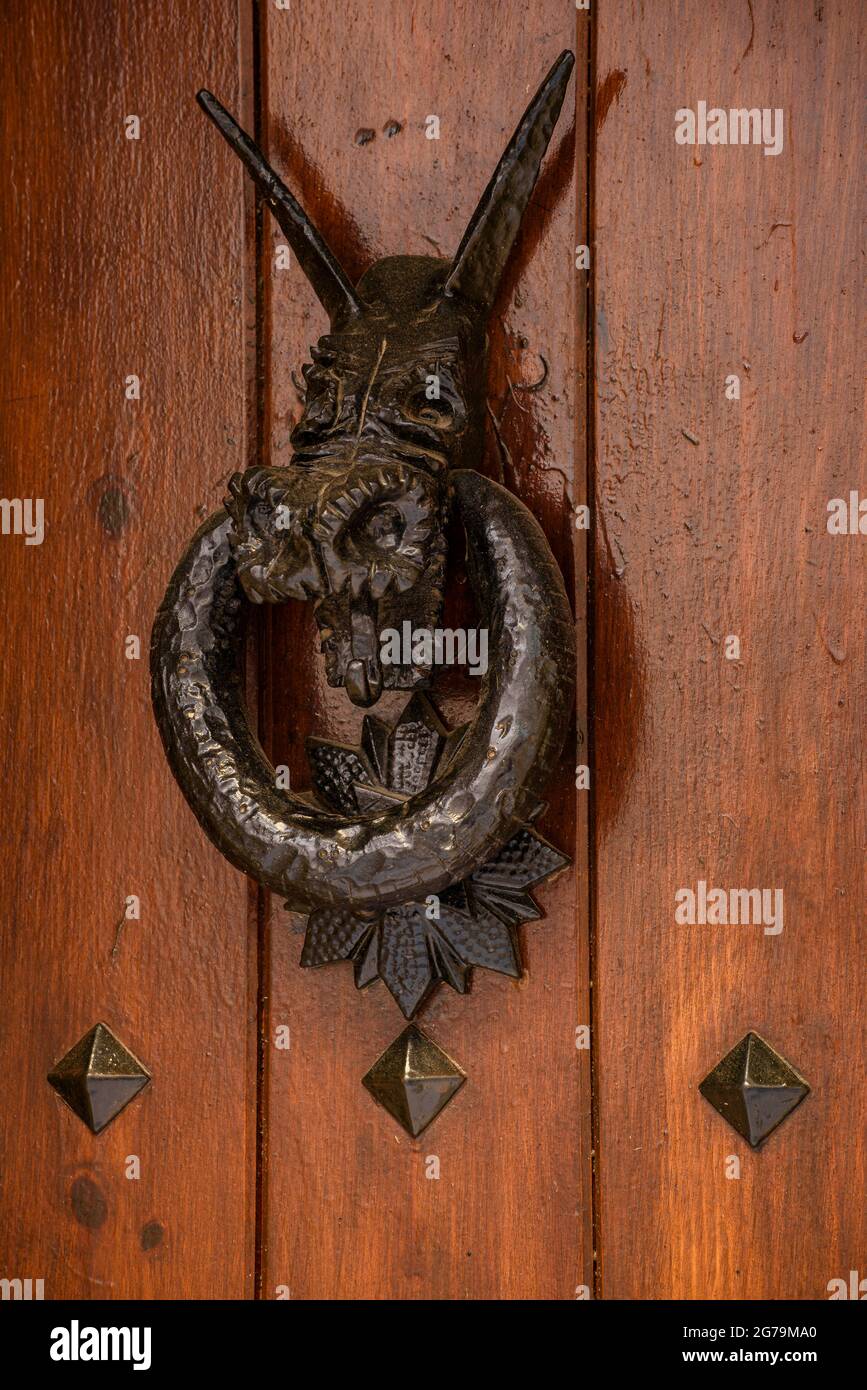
[{"x": 352, "y": 536}]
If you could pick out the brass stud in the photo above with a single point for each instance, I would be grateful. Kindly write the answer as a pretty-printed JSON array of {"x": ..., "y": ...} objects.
[
  {"x": 414, "y": 1079},
  {"x": 754, "y": 1088},
  {"x": 98, "y": 1077}
]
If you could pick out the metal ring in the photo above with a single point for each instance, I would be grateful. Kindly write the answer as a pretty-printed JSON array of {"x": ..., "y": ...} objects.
[{"x": 492, "y": 786}]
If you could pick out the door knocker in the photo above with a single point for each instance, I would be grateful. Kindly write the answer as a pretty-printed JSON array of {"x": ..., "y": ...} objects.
[{"x": 417, "y": 813}]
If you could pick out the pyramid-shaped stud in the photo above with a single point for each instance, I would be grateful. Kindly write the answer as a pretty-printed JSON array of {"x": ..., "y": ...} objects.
[
  {"x": 754, "y": 1088},
  {"x": 413, "y": 1080},
  {"x": 98, "y": 1077}
]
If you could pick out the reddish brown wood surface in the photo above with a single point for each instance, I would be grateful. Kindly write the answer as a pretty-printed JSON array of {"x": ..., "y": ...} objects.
[
  {"x": 348, "y": 1210},
  {"x": 138, "y": 257},
  {"x": 711, "y": 261},
  {"x": 121, "y": 257}
]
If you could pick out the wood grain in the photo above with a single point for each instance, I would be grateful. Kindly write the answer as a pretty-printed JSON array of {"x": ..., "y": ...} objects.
[
  {"x": 348, "y": 1211},
  {"x": 712, "y": 522},
  {"x": 121, "y": 257},
  {"x": 137, "y": 257}
]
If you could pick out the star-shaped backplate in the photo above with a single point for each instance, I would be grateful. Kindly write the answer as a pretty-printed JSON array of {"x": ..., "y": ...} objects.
[{"x": 410, "y": 947}]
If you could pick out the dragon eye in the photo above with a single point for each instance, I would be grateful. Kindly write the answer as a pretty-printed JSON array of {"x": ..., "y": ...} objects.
[
  {"x": 385, "y": 527},
  {"x": 320, "y": 410},
  {"x": 439, "y": 414},
  {"x": 322, "y": 407}
]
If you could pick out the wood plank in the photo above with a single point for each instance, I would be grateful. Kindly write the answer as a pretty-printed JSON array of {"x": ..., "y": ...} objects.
[
  {"x": 123, "y": 257},
  {"x": 348, "y": 1211},
  {"x": 712, "y": 522}
]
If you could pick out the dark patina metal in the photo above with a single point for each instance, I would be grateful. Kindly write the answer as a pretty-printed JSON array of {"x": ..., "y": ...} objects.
[
  {"x": 98, "y": 1077},
  {"x": 392, "y": 425},
  {"x": 754, "y": 1088},
  {"x": 473, "y": 923},
  {"x": 414, "y": 1080}
]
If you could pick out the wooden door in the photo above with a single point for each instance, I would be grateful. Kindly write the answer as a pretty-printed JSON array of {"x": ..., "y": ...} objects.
[{"x": 154, "y": 346}]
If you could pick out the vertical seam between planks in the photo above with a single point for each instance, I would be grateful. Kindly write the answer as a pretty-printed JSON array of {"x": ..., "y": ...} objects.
[
  {"x": 592, "y": 493},
  {"x": 261, "y": 648}
]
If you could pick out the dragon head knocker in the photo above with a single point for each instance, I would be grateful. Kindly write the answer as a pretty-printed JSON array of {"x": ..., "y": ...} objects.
[
  {"x": 419, "y": 815},
  {"x": 357, "y": 521},
  {"x": 394, "y": 399}
]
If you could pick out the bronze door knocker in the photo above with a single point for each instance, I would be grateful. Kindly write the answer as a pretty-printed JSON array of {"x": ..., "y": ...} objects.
[{"x": 356, "y": 523}]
